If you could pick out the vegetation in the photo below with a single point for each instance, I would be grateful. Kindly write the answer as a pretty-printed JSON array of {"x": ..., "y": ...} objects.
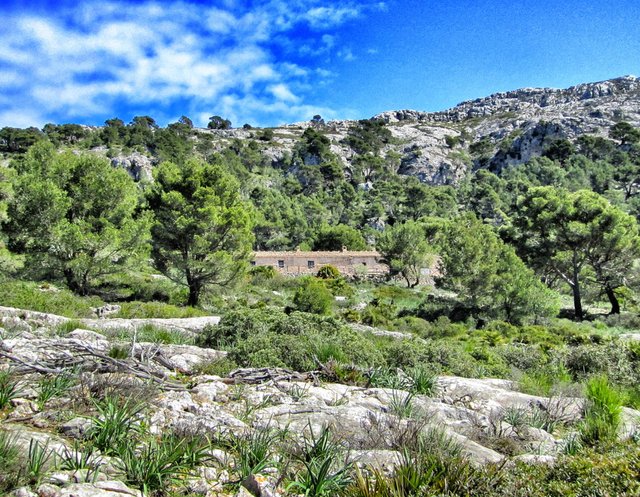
[
  {"x": 505, "y": 275},
  {"x": 202, "y": 235}
]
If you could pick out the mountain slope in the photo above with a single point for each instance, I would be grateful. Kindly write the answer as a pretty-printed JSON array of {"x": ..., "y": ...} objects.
[{"x": 497, "y": 131}]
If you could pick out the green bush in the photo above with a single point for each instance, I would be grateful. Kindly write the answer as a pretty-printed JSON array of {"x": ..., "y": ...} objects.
[
  {"x": 379, "y": 312},
  {"x": 523, "y": 357},
  {"x": 611, "y": 359},
  {"x": 313, "y": 297},
  {"x": 328, "y": 272},
  {"x": 593, "y": 472},
  {"x": 437, "y": 356},
  {"x": 267, "y": 337},
  {"x": 339, "y": 286},
  {"x": 263, "y": 272},
  {"x": 603, "y": 411},
  {"x": 545, "y": 380}
]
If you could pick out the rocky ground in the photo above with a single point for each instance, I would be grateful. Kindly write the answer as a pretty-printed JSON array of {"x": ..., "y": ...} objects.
[{"x": 487, "y": 419}]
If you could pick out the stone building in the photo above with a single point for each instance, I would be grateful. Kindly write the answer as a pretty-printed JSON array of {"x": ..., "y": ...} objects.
[{"x": 298, "y": 263}]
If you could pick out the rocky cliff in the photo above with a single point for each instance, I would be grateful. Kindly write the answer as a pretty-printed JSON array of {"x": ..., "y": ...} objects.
[{"x": 497, "y": 131}]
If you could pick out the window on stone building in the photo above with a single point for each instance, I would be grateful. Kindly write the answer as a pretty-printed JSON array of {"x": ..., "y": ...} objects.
[{"x": 311, "y": 264}]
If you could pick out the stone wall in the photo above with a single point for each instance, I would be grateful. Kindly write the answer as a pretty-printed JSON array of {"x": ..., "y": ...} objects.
[{"x": 297, "y": 263}]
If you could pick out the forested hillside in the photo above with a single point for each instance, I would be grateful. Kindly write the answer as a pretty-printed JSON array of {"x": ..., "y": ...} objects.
[{"x": 551, "y": 173}]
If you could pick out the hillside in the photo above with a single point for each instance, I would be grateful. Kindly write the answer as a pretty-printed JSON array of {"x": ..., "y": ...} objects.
[
  {"x": 438, "y": 148},
  {"x": 495, "y": 353},
  {"x": 515, "y": 126}
]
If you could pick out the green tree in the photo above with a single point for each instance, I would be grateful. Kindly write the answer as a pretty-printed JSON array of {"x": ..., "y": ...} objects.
[
  {"x": 217, "y": 122},
  {"x": 486, "y": 274},
  {"x": 405, "y": 250},
  {"x": 202, "y": 234},
  {"x": 338, "y": 237},
  {"x": 18, "y": 140},
  {"x": 625, "y": 133},
  {"x": 562, "y": 233},
  {"x": 76, "y": 215},
  {"x": 8, "y": 262},
  {"x": 314, "y": 297},
  {"x": 281, "y": 223}
]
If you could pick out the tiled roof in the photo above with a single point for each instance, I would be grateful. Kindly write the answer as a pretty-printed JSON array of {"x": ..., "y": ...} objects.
[{"x": 326, "y": 253}]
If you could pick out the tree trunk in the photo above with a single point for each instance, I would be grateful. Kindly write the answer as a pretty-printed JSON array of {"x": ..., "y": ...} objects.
[
  {"x": 72, "y": 282},
  {"x": 613, "y": 300},
  {"x": 194, "y": 294},
  {"x": 575, "y": 287}
]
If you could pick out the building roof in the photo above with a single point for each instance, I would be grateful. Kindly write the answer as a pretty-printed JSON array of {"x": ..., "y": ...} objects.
[{"x": 319, "y": 253}]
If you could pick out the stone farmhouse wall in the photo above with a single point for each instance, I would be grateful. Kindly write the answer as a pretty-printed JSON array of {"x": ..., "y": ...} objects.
[{"x": 298, "y": 263}]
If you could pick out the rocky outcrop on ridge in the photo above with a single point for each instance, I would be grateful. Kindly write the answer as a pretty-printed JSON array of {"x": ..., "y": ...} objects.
[{"x": 434, "y": 146}]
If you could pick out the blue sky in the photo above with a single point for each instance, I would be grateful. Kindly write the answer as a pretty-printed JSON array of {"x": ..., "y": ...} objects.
[{"x": 268, "y": 62}]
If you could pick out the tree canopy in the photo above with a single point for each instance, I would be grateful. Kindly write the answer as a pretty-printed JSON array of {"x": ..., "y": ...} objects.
[
  {"x": 562, "y": 234},
  {"x": 405, "y": 250},
  {"x": 203, "y": 230},
  {"x": 76, "y": 215}
]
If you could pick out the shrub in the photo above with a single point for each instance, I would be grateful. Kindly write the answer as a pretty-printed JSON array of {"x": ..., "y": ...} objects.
[
  {"x": 437, "y": 356},
  {"x": 543, "y": 381},
  {"x": 116, "y": 421},
  {"x": 9, "y": 461},
  {"x": 339, "y": 286},
  {"x": 601, "y": 471},
  {"x": 255, "y": 451},
  {"x": 51, "y": 386},
  {"x": 78, "y": 457},
  {"x": 603, "y": 411},
  {"x": 9, "y": 389},
  {"x": 38, "y": 460},
  {"x": 266, "y": 337},
  {"x": 155, "y": 334},
  {"x": 423, "y": 381},
  {"x": 323, "y": 472},
  {"x": 263, "y": 272},
  {"x": 159, "y": 463},
  {"x": 328, "y": 272},
  {"x": 379, "y": 312},
  {"x": 611, "y": 359},
  {"x": 68, "y": 326},
  {"x": 313, "y": 297},
  {"x": 219, "y": 367},
  {"x": 523, "y": 357}
]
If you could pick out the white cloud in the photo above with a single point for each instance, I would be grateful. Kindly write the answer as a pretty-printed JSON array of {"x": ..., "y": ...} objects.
[
  {"x": 283, "y": 93},
  {"x": 24, "y": 119},
  {"x": 99, "y": 56},
  {"x": 323, "y": 17}
]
